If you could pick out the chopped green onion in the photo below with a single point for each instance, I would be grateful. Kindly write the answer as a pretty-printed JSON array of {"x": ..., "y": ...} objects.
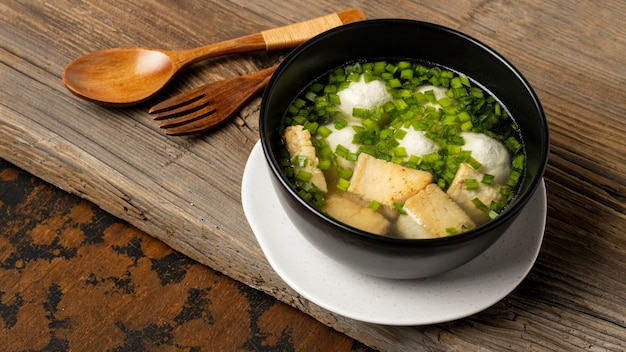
[
  {"x": 518, "y": 162},
  {"x": 325, "y": 151},
  {"x": 456, "y": 82},
  {"x": 343, "y": 184},
  {"x": 300, "y": 161},
  {"x": 475, "y": 164},
  {"x": 354, "y": 77},
  {"x": 324, "y": 131},
  {"x": 400, "y": 104},
  {"x": 379, "y": 66},
  {"x": 476, "y": 92},
  {"x": 471, "y": 184},
  {"x": 452, "y": 230},
  {"x": 480, "y": 205},
  {"x": 399, "y": 134},
  {"x": 351, "y": 156},
  {"x": 399, "y": 152},
  {"x": 334, "y": 99},
  {"x": 325, "y": 164},
  {"x": 406, "y": 74},
  {"x": 444, "y": 102},
  {"x": 467, "y": 126},
  {"x": 346, "y": 173},
  {"x": 311, "y": 126},
  {"x": 310, "y": 96},
  {"x": 391, "y": 68},
  {"x": 430, "y": 94},
  {"x": 513, "y": 178},
  {"x": 303, "y": 175},
  {"x": 374, "y": 205},
  {"x": 341, "y": 151},
  {"x": 380, "y": 129},
  {"x": 340, "y": 123},
  {"x": 449, "y": 120},
  {"x": 487, "y": 179},
  {"x": 316, "y": 87},
  {"x": 513, "y": 144},
  {"x": 464, "y": 80},
  {"x": 399, "y": 208},
  {"x": 330, "y": 89},
  {"x": 404, "y": 64},
  {"x": 360, "y": 112},
  {"x": 394, "y": 83},
  {"x": 464, "y": 116}
]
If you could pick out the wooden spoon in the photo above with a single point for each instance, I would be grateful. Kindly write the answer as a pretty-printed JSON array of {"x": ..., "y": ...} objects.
[{"x": 126, "y": 76}]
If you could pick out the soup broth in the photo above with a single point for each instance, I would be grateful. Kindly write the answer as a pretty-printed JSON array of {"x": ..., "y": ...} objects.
[{"x": 401, "y": 149}]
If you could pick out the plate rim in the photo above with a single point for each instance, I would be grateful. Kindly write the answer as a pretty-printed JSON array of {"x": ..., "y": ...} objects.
[{"x": 256, "y": 161}]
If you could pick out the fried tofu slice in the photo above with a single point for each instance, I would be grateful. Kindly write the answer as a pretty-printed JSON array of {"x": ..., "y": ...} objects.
[
  {"x": 298, "y": 143},
  {"x": 409, "y": 227},
  {"x": 386, "y": 182},
  {"x": 459, "y": 193},
  {"x": 389, "y": 212},
  {"x": 439, "y": 214},
  {"x": 354, "y": 215}
]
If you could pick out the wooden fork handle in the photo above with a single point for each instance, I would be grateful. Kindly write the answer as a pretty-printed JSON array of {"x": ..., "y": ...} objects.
[{"x": 284, "y": 37}]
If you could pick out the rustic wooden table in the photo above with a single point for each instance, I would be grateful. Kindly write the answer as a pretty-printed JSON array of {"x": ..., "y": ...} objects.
[{"x": 75, "y": 275}]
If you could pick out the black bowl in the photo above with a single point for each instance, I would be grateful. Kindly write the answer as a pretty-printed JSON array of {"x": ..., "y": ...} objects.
[{"x": 430, "y": 44}]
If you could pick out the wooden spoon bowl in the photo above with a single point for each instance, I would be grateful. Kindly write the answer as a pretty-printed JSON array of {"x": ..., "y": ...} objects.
[{"x": 126, "y": 76}]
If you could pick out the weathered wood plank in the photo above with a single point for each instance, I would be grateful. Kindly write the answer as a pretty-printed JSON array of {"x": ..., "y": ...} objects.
[
  {"x": 185, "y": 190},
  {"x": 109, "y": 285}
]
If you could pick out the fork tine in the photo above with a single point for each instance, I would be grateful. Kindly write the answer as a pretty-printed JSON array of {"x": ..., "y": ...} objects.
[
  {"x": 209, "y": 105},
  {"x": 188, "y": 116},
  {"x": 195, "y": 126},
  {"x": 208, "y": 117},
  {"x": 177, "y": 101},
  {"x": 181, "y": 109}
]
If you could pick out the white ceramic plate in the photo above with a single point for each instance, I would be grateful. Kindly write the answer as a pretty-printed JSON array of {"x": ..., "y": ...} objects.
[{"x": 456, "y": 294}]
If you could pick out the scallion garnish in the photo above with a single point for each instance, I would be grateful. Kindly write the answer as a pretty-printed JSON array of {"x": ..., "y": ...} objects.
[
  {"x": 374, "y": 205},
  {"x": 379, "y": 131},
  {"x": 487, "y": 179},
  {"x": 325, "y": 164},
  {"x": 475, "y": 164},
  {"x": 452, "y": 230},
  {"x": 341, "y": 151},
  {"x": 480, "y": 205},
  {"x": 513, "y": 178},
  {"x": 300, "y": 161},
  {"x": 399, "y": 208},
  {"x": 360, "y": 112},
  {"x": 513, "y": 144},
  {"x": 303, "y": 175},
  {"x": 324, "y": 131},
  {"x": 471, "y": 184},
  {"x": 518, "y": 162},
  {"x": 343, "y": 184},
  {"x": 399, "y": 152}
]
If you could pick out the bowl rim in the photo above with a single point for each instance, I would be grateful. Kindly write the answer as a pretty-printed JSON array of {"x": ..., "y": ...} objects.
[{"x": 507, "y": 216}]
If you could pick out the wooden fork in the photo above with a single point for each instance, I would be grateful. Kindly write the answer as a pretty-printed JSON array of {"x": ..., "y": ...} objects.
[{"x": 207, "y": 106}]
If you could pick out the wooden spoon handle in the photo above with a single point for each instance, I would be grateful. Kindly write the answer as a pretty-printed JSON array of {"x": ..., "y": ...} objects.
[
  {"x": 284, "y": 37},
  {"x": 295, "y": 34}
]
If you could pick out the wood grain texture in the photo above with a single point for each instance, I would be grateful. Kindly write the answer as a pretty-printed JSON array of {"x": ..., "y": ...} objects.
[
  {"x": 107, "y": 286},
  {"x": 185, "y": 191}
]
